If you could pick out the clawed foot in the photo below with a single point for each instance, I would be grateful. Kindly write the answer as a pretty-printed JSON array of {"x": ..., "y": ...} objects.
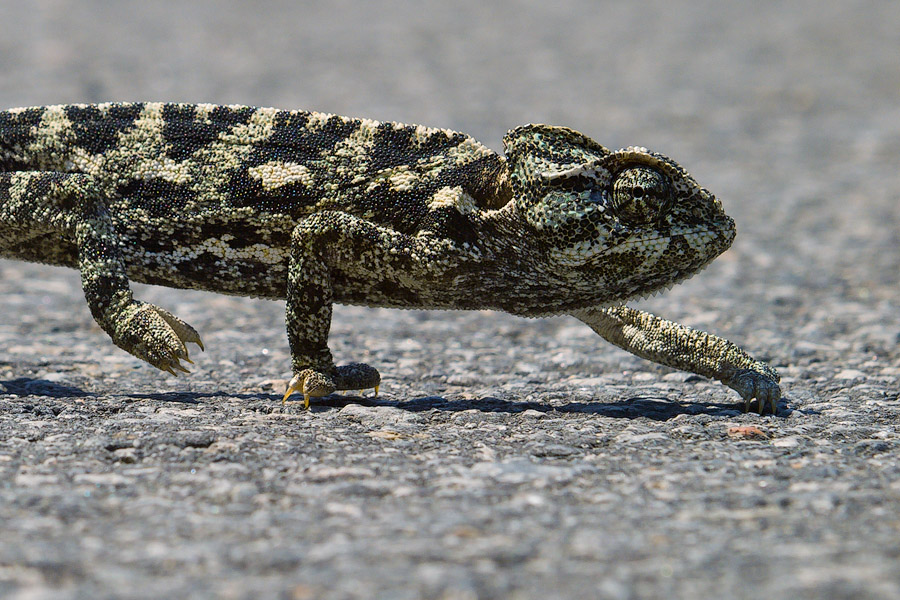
[
  {"x": 761, "y": 386},
  {"x": 158, "y": 337},
  {"x": 313, "y": 383}
]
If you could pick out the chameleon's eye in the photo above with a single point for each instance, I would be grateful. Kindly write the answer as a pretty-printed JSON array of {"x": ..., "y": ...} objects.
[{"x": 641, "y": 195}]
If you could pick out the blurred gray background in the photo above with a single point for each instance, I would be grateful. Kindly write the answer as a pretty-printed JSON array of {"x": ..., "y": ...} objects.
[{"x": 505, "y": 458}]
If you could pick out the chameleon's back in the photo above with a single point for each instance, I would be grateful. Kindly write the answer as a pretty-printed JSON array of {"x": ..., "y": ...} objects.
[{"x": 186, "y": 160}]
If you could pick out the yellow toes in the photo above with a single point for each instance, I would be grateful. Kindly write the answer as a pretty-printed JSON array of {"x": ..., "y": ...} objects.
[
  {"x": 299, "y": 386},
  {"x": 296, "y": 388},
  {"x": 290, "y": 390}
]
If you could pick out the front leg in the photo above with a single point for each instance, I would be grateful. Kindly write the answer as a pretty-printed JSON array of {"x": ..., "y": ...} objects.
[
  {"x": 323, "y": 244},
  {"x": 674, "y": 345}
]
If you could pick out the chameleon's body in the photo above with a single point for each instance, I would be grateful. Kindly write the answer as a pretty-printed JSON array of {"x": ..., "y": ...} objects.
[{"x": 318, "y": 209}]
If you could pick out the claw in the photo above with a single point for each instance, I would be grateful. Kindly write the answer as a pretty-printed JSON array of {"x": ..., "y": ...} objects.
[
  {"x": 318, "y": 383},
  {"x": 180, "y": 368},
  {"x": 764, "y": 403},
  {"x": 290, "y": 390},
  {"x": 295, "y": 388},
  {"x": 156, "y": 336},
  {"x": 185, "y": 332}
]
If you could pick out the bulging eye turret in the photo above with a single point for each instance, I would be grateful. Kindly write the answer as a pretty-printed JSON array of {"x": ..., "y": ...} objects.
[{"x": 641, "y": 195}]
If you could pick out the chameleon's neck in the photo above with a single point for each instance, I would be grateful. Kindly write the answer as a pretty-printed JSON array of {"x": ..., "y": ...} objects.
[
  {"x": 507, "y": 219},
  {"x": 508, "y": 224}
]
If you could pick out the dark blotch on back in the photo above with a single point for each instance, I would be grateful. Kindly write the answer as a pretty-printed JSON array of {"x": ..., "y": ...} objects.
[
  {"x": 95, "y": 131},
  {"x": 244, "y": 191},
  {"x": 185, "y": 133},
  {"x": 288, "y": 128},
  {"x": 392, "y": 147},
  {"x": 291, "y": 139},
  {"x": 15, "y": 134},
  {"x": 402, "y": 211},
  {"x": 160, "y": 198}
]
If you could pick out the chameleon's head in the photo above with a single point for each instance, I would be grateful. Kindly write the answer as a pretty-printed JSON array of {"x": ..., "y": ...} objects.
[{"x": 624, "y": 224}]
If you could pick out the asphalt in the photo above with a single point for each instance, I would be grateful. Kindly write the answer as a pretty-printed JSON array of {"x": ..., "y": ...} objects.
[{"x": 503, "y": 458}]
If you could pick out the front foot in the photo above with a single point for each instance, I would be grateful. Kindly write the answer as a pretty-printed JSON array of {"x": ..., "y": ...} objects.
[
  {"x": 156, "y": 336},
  {"x": 314, "y": 383},
  {"x": 761, "y": 385}
]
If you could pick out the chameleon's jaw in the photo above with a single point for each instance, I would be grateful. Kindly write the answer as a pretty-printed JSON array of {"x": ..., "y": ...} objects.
[
  {"x": 687, "y": 253},
  {"x": 665, "y": 287}
]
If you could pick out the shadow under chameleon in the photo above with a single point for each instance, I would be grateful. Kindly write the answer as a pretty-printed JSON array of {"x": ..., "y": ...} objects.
[{"x": 654, "y": 408}]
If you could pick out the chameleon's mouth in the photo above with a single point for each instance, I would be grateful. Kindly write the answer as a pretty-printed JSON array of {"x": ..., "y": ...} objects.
[
  {"x": 680, "y": 277},
  {"x": 717, "y": 240}
]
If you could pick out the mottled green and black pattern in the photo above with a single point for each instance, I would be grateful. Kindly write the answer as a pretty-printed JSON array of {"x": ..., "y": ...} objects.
[{"x": 321, "y": 209}]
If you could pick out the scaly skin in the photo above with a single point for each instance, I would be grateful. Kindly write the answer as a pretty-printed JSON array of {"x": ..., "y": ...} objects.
[{"x": 321, "y": 209}]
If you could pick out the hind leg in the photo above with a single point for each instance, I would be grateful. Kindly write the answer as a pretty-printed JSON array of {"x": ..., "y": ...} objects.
[{"x": 68, "y": 206}]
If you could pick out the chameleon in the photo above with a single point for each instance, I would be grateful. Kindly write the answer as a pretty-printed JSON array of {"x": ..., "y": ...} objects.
[{"x": 318, "y": 209}]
